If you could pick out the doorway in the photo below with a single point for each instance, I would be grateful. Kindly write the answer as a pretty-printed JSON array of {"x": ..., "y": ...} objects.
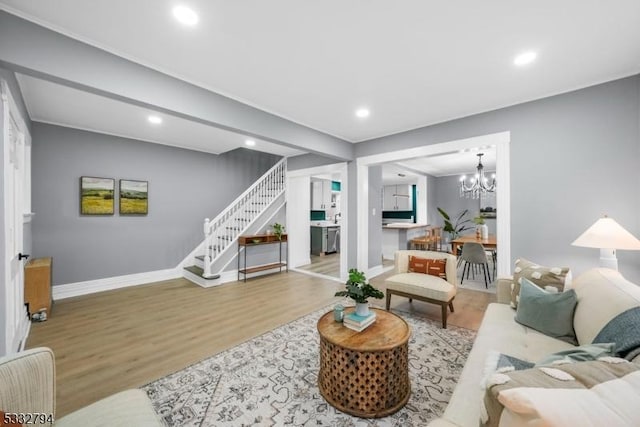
[
  {"x": 317, "y": 220},
  {"x": 501, "y": 143}
]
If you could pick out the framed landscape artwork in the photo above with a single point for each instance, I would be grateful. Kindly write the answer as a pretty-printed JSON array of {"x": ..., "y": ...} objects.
[
  {"x": 96, "y": 195},
  {"x": 134, "y": 197}
]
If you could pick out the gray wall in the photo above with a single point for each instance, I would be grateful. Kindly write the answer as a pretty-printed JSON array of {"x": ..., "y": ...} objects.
[
  {"x": 305, "y": 161},
  {"x": 447, "y": 197},
  {"x": 433, "y": 218},
  {"x": 375, "y": 221},
  {"x": 574, "y": 157},
  {"x": 184, "y": 187}
]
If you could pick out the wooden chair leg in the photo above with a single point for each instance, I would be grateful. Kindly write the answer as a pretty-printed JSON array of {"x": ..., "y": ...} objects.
[
  {"x": 444, "y": 315},
  {"x": 410, "y": 299},
  {"x": 451, "y": 305},
  {"x": 388, "y": 300}
]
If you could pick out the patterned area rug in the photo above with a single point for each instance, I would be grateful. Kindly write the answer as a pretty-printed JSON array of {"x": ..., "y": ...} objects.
[{"x": 271, "y": 380}]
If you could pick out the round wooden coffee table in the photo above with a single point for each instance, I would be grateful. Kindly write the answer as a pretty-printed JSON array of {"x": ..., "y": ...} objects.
[{"x": 366, "y": 373}]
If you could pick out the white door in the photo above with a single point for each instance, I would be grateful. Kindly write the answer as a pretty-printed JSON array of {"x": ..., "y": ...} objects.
[{"x": 15, "y": 321}]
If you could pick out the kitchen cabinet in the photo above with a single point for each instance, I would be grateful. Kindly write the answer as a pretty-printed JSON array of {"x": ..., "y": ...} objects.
[
  {"x": 320, "y": 194},
  {"x": 325, "y": 239},
  {"x": 397, "y": 198}
]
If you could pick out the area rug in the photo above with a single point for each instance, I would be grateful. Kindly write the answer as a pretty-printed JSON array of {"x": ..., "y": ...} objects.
[
  {"x": 476, "y": 283},
  {"x": 271, "y": 380}
]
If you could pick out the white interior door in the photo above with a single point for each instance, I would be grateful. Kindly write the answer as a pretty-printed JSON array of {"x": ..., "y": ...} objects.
[{"x": 16, "y": 321}]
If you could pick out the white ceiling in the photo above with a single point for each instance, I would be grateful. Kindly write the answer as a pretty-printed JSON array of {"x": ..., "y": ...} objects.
[
  {"x": 88, "y": 111},
  {"x": 458, "y": 163},
  {"x": 413, "y": 63},
  {"x": 391, "y": 171}
]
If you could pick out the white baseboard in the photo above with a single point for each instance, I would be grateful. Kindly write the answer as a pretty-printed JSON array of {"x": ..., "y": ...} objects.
[
  {"x": 302, "y": 263},
  {"x": 321, "y": 276},
  {"x": 225, "y": 277},
  {"x": 375, "y": 271},
  {"x": 109, "y": 283}
]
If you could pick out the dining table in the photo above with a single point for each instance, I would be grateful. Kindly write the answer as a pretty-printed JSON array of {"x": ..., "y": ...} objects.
[{"x": 491, "y": 242}]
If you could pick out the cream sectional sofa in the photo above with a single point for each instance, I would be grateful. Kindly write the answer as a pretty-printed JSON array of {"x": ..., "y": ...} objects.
[
  {"x": 28, "y": 385},
  {"x": 602, "y": 295}
]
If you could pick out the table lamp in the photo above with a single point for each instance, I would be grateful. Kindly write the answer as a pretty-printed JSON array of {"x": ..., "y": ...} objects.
[{"x": 607, "y": 235}]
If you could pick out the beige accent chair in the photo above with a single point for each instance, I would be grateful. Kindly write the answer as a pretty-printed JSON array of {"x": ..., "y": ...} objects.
[
  {"x": 424, "y": 287},
  {"x": 28, "y": 385}
]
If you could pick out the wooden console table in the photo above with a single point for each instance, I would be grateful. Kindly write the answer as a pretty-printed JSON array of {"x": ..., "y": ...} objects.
[
  {"x": 37, "y": 285},
  {"x": 366, "y": 373},
  {"x": 246, "y": 241}
]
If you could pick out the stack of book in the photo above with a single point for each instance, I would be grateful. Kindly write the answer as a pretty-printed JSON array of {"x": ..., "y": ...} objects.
[{"x": 359, "y": 323}]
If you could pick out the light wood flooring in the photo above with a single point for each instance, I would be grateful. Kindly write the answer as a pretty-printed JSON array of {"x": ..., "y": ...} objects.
[
  {"x": 111, "y": 341},
  {"x": 328, "y": 265}
]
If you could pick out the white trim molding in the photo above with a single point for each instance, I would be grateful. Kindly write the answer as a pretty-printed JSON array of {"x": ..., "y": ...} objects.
[
  {"x": 500, "y": 140},
  {"x": 110, "y": 283},
  {"x": 374, "y": 271},
  {"x": 340, "y": 168},
  {"x": 318, "y": 275}
]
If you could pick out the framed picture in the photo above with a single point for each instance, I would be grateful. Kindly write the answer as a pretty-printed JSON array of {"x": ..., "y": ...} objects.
[
  {"x": 96, "y": 195},
  {"x": 134, "y": 197}
]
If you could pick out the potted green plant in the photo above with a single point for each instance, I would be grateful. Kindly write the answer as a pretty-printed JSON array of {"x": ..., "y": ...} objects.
[
  {"x": 359, "y": 290},
  {"x": 456, "y": 227},
  {"x": 278, "y": 230}
]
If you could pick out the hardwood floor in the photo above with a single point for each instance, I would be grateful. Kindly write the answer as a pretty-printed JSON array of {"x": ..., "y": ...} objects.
[
  {"x": 114, "y": 340},
  {"x": 328, "y": 265}
]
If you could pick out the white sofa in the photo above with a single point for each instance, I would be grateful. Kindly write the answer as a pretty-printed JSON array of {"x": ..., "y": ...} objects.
[
  {"x": 28, "y": 385},
  {"x": 602, "y": 295}
]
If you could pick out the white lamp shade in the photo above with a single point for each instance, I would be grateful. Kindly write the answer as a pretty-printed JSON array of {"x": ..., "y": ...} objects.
[{"x": 607, "y": 234}]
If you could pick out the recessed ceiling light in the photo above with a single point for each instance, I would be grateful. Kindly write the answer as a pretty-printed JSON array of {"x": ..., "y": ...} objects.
[
  {"x": 363, "y": 113},
  {"x": 185, "y": 15},
  {"x": 525, "y": 58},
  {"x": 156, "y": 120},
  {"x": 250, "y": 142}
]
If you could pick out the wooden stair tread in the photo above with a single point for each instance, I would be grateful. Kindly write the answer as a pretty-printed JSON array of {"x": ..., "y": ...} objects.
[{"x": 199, "y": 272}]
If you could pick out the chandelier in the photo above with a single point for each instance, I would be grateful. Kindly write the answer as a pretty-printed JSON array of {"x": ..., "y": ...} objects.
[{"x": 479, "y": 184}]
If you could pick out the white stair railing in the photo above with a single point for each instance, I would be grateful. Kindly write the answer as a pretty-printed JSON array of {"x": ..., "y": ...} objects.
[{"x": 221, "y": 232}]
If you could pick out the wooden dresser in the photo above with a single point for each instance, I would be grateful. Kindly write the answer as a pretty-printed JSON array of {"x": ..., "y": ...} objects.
[{"x": 37, "y": 285}]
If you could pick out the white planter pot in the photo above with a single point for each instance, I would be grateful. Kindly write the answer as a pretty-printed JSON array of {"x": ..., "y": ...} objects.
[
  {"x": 362, "y": 308},
  {"x": 484, "y": 231}
]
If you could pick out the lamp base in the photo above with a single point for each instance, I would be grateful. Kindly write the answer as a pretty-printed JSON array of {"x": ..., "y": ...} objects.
[{"x": 608, "y": 259}]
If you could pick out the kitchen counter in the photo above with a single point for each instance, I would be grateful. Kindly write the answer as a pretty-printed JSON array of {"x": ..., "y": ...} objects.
[
  {"x": 404, "y": 225},
  {"x": 396, "y": 236}
]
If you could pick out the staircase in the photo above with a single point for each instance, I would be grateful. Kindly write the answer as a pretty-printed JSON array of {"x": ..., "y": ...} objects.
[{"x": 249, "y": 213}]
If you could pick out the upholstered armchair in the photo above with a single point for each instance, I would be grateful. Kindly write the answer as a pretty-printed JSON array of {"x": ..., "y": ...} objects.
[
  {"x": 422, "y": 286},
  {"x": 28, "y": 386}
]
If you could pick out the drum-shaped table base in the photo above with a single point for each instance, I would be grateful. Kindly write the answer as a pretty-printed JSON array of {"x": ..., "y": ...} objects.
[{"x": 365, "y": 373}]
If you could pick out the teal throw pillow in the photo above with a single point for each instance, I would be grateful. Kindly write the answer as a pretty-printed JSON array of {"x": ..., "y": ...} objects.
[
  {"x": 549, "y": 313},
  {"x": 583, "y": 353}
]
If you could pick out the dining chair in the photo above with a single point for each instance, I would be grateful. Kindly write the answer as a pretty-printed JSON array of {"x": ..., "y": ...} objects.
[{"x": 473, "y": 254}]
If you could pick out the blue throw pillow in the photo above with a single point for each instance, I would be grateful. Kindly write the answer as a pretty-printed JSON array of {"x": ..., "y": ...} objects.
[
  {"x": 583, "y": 353},
  {"x": 549, "y": 313}
]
